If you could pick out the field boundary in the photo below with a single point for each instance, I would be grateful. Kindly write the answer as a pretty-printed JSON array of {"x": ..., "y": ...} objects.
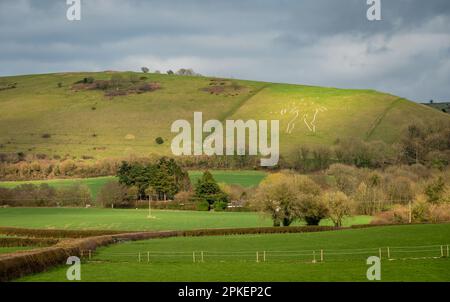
[
  {"x": 19, "y": 264},
  {"x": 57, "y": 233},
  {"x": 316, "y": 255},
  {"x": 17, "y": 241}
]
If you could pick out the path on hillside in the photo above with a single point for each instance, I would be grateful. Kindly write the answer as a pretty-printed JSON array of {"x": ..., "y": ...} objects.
[
  {"x": 236, "y": 107},
  {"x": 380, "y": 118}
]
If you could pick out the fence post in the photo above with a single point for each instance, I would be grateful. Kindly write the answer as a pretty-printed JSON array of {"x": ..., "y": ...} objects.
[
  {"x": 89, "y": 254},
  {"x": 148, "y": 256},
  {"x": 447, "y": 251},
  {"x": 389, "y": 253},
  {"x": 257, "y": 256},
  {"x": 139, "y": 256},
  {"x": 442, "y": 251},
  {"x": 264, "y": 255},
  {"x": 314, "y": 257},
  {"x": 321, "y": 255},
  {"x": 82, "y": 253},
  {"x": 202, "y": 256},
  {"x": 193, "y": 256},
  {"x": 379, "y": 251}
]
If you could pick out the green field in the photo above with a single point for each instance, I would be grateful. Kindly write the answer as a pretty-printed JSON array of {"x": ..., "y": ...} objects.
[
  {"x": 94, "y": 184},
  {"x": 233, "y": 258},
  {"x": 38, "y": 117},
  {"x": 6, "y": 250},
  {"x": 242, "y": 178},
  {"x": 135, "y": 220}
]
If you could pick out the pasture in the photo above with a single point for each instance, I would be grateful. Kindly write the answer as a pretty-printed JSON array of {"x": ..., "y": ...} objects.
[
  {"x": 45, "y": 115},
  {"x": 232, "y": 258},
  {"x": 136, "y": 220},
  {"x": 243, "y": 178}
]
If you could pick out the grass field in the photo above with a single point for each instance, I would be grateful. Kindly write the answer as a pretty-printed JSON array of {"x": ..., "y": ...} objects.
[
  {"x": 94, "y": 184},
  {"x": 39, "y": 117},
  {"x": 135, "y": 220},
  {"x": 243, "y": 178},
  {"x": 6, "y": 250},
  {"x": 234, "y": 258}
]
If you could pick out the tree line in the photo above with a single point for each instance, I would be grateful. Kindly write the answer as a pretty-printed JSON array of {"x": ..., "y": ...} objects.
[
  {"x": 401, "y": 194},
  {"x": 428, "y": 145}
]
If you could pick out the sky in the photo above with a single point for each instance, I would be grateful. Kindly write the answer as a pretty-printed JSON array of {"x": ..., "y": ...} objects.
[{"x": 313, "y": 42}]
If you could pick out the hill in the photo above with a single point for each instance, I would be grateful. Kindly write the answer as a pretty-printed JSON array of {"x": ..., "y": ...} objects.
[
  {"x": 72, "y": 114},
  {"x": 442, "y": 106}
]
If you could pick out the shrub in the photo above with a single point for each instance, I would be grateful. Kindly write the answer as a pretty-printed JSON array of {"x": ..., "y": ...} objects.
[
  {"x": 339, "y": 206},
  {"x": 287, "y": 197},
  {"x": 439, "y": 213},
  {"x": 159, "y": 140},
  {"x": 145, "y": 69},
  {"x": 203, "y": 205},
  {"x": 148, "y": 87},
  {"x": 113, "y": 194},
  {"x": 435, "y": 190},
  {"x": 183, "y": 197},
  {"x": 16, "y": 241},
  {"x": 46, "y": 135},
  {"x": 220, "y": 206},
  {"x": 398, "y": 215},
  {"x": 102, "y": 84},
  {"x": 87, "y": 80}
]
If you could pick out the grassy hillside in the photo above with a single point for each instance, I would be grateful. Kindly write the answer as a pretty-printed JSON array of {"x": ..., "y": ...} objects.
[{"x": 38, "y": 116}]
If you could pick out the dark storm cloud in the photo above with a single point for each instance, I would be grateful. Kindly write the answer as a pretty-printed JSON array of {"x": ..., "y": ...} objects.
[{"x": 319, "y": 42}]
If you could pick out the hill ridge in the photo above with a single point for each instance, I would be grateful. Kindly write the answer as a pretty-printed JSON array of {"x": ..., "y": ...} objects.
[{"x": 46, "y": 115}]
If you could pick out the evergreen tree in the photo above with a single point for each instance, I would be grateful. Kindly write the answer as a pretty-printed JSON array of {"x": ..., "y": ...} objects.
[{"x": 208, "y": 190}]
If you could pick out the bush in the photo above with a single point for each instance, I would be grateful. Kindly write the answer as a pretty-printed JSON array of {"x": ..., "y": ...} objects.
[
  {"x": 183, "y": 197},
  {"x": 203, "y": 205},
  {"x": 16, "y": 241},
  {"x": 87, "y": 80},
  {"x": 422, "y": 212},
  {"x": 102, "y": 84},
  {"x": 339, "y": 206},
  {"x": 113, "y": 194},
  {"x": 435, "y": 190},
  {"x": 220, "y": 206},
  {"x": 439, "y": 213},
  {"x": 159, "y": 140},
  {"x": 287, "y": 197}
]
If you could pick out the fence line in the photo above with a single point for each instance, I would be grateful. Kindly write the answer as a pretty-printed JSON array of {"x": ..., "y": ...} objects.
[{"x": 311, "y": 256}]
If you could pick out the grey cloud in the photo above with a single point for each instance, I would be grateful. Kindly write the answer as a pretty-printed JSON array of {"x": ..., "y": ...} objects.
[{"x": 321, "y": 42}]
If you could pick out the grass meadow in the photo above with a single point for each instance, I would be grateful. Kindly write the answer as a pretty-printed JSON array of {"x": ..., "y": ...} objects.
[
  {"x": 136, "y": 220},
  {"x": 39, "y": 117},
  {"x": 232, "y": 258},
  {"x": 243, "y": 178}
]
